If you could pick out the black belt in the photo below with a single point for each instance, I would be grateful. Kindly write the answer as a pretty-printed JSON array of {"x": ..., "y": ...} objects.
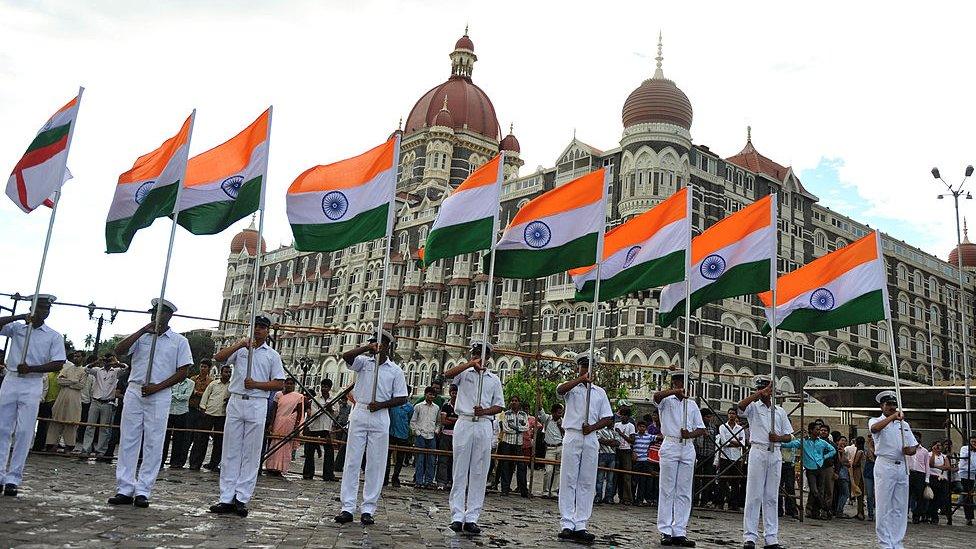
[
  {"x": 105, "y": 399},
  {"x": 554, "y": 445}
]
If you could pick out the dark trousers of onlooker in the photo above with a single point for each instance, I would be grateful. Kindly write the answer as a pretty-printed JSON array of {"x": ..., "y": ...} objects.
[
  {"x": 815, "y": 483},
  {"x": 625, "y": 462},
  {"x": 730, "y": 484},
  {"x": 116, "y": 431},
  {"x": 967, "y": 496},
  {"x": 653, "y": 483},
  {"x": 194, "y": 420},
  {"x": 787, "y": 491},
  {"x": 642, "y": 470},
  {"x": 44, "y": 411},
  {"x": 942, "y": 501},
  {"x": 328, "y": 456},
  {"x": 507, "y": 466},
  {"x": 179, "y": 439},
  {"x": 917, "y": 504},
  {"x": 444, "y": 463},
  {"x": 85, "y": 407},
  {"x": 396, "y": 458},
  {"x": 340, "y": 458},
  {"x": 605, "y": 488},
  {"x": 213, "y": 427},
  {"x": 830, "y": 494},
  {"x": 704, "y": 488},
  {"x": 842, "y": 493}
]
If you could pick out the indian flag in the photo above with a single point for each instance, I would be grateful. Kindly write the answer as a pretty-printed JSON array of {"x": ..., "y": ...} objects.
[
  {"x": 555, "y": 232},
  {"x": 148, "y": 190},
  {"x": 225, "y": 183},
  {"x": 43, "y": 168},
  {"x": 338, "y": 205},
  {"x": 646, "y": 252},
  {"x": 466, "y": 220},
  {"x": 843, "y": 288},
  {"x": 733, "y": 257}
]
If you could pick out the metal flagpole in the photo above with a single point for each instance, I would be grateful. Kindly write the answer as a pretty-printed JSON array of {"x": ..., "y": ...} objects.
[
  {"x": 591, "y": 369},
  {"x": 687, "y": 343},
  {"x": 891, "y": 335},
  {"x": 773, "y": 272},
  {"x": 963, "y": 337},
  {"x": 390, "y": 217},
  {"x": 490, "y": 290},
  {"x": 50, "y": 229},
  {"x": 169, "y": 254},
  {"x": 257, "y": 254}
]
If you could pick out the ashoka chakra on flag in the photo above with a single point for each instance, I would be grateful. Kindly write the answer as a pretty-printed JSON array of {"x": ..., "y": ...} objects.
[
  {"x": 143, "y": 190},
  {"x": 335, "y": 205},
  {"x": 713, "y": 266},
  {"x": 537, "y": 234},
  {"x": 822, "y": 299},
  {"x": 232, "y": 185}
]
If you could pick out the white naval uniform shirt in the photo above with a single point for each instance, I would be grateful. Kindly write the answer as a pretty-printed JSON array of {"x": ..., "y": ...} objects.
[
  {"x": 46, "y": 345},
  {"x": 172, "y": 352},
  {"x": 575, "y": 400},
  {"x": 888, "y": 441},
  {"x": 265, "y": 366},
  {"x": 670, "y": 409},
  {"x": 391, "y": 383},
  {"x": 758, "y": 415},
  {"x": 467, "y": 384}
]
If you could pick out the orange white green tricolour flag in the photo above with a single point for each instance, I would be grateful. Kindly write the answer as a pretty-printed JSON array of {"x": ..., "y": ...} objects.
[
  {"x": 843, "y": 288},
  {"x": 43, "y": 168},
  {"x": 226, "y": 183},
  {"x": 467, "y": 218},
  {"x": 647, "y": 251},
  {"x": 341, "y": 204},
  {"x": 733, "y": 257},
  {"x": 556, "y": 231},
  {"x": 148, "y": 190}
]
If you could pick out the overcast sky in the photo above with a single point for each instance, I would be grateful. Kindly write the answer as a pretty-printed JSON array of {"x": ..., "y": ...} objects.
[{"x": 861, "y": 98}]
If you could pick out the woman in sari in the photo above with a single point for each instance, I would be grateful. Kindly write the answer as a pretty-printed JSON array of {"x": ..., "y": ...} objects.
[{"x": 287, "y": 416}]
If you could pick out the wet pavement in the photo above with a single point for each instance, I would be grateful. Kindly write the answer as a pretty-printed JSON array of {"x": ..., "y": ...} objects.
[{"x": 62, "y": 504}]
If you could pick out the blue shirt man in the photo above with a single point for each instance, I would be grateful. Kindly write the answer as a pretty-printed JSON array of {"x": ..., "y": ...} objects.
[
  {"x": 815, "y": 451},
  {"x": 400, "y": 421}
]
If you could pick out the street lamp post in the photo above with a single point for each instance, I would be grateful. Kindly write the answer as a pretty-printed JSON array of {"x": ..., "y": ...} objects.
[
  {"x": 101, "y": 320},
  {"x": 956, "y": 192},
  {"x": 305, "y": 363}
]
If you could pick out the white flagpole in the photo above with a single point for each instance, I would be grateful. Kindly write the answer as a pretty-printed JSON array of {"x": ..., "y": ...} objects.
[
  {"x": 257, "y": 253},
  {"x": 50, "y": 229},
  {"x": 687, "y": 344},
  {"x": 773, "y": 272},
  {"x": 596, "y": 297},
  {"x": 169, "y": 253},
  {"x": 390, "y": 217},
  {"x": 490, "y": 290},
  {"x": 891, "y": 336}
]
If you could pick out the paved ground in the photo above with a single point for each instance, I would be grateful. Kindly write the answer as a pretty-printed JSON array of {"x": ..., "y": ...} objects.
[{"x": 62, "y": 504}]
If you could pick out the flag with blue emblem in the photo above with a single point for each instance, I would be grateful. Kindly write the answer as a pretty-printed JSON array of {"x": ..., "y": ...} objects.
[
  {"x": 732, "y": 258},
  {"x": 225, "y": 184},
  {"x": 338, "y": 205}
]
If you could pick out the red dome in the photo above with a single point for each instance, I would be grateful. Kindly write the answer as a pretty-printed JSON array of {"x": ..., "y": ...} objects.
[
  {"x": 968, "y": 255},
  {"x": 510, "y": 143},
  {"x": 443, "y": 117},
  {"x": 464, "y": 43},
  {"x": 658, "y": 100},
  {"x": 248, "y": 237},
  {"x": 470, "y": 107}
]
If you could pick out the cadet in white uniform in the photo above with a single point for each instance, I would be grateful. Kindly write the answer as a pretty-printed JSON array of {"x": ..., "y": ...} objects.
[
  {"x": 247, "y": 410},
  {"x": 765, "y": 465},
  {"x": 20, "y": 393},
  {"x": 369, "y": 425},
  {"x": 677, "y": 456},
  {"x": 581, "y": 446},
  {"x": 472, "y": 436},
  {"x": 145, "y": 409},
  {"x": 893, "y": 440}
]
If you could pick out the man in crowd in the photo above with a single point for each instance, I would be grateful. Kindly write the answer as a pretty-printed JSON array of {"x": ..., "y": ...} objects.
[
  {"x": 86, "y": 399},
  {"x": 917, "y": 480},
  {"x": 424, "y": 424},
  {"x": 967, "y": 475},
  {"x": 514, "y": 424},
  {"x": 826, "y": 473},
  {"x": 256, "y": 372},
  {"x": 67, "y": 407},
  {"x": 448, "y": 419},
  {"x": 706, "y": 448},
  {"x": 814, "y": 451},
  {"x": 769, "y": 427},
  {"x": 893, "y": 442},
  {"x": 607, "y": 459},
  {"x": 552, "y": 430},
  {"x": 20, "y": 393},
  {"x": 641, "y": 442},
  {"x": 177, "y": 423},
  {"x": 587, "y": 411},
  {"x": 479, "y": 399},
  {"x": 147, "y": 401},
  {"x": 49, "y": 394},
  {"x": 369, "y": 424},
  {"x": 399, "y": 434},
  {"x": 731, "y": 440},
  {"x": 212, "y": 414},
  {"x": 195, "y": 418},
  {"x": 320, "y": 427},
  {"x": 624, "y": 429},
  {"x": 680, "y": 421}
]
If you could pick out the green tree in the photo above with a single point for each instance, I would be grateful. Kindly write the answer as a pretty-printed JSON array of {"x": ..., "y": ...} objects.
[
  {"x": 546, "y": 375},
  {"x": 201, "y": 345},
  {"x": 109, "y": 345}
]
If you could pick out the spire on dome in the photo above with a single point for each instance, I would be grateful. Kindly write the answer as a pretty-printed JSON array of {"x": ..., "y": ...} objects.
[
  {"x": 748, "y": 134},
  {"x": 444, "y": 108},
  {"x": 463, "y": 57},
  {"x": 251, "y": 226},
  {"x": 659, "y": 72},
  {"x": 965, "y": 232}
]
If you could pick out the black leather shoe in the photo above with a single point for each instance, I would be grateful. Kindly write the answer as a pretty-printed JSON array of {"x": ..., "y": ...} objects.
[
  {"x": 141, "y": 502},
  {"x": 456, "y": 526},
  {"x": 666, "y": 540},
  {"x": 566, "y": 533},
  {"x": 343, "y": 517},
  {"x": 120, "y": 499},
  {"x": 584, "y": 536},
  {"x": 774, "y": 546},
  {"x": 681, "y": 541},
  {"x": 222, "y": 508},
  {"x": 240, "y": 508},
  {"x": 749, "y": 545},
  {"x": 10, "y": 489},
  {"x": 472, "y": 528},
  {"x": 366, "y": 519}
]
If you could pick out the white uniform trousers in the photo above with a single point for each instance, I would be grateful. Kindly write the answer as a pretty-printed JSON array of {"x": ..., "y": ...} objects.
[
  {"x": 577, "y": 478},
  {"x": 891, "y": 502},
  {"x": 143, "y": 426},
  {"x": 19, "y": 400},
  {"x": 674, "y": 489},
  {"x": 472, "y": 454},
  {"x": 240, "y": 457},
  {"x": 369, "y": 433},
  {"x": 762, "y": 493}
]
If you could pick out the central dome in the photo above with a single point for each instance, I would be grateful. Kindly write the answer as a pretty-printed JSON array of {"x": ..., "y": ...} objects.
[
  {"x": 658, "y": 100},
  {"x": 470, "y": 107}
]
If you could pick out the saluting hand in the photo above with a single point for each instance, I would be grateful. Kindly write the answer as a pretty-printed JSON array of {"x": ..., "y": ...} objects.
[
  {"x": 478, "y": 366},
  {"x": 149, "y": 328}
]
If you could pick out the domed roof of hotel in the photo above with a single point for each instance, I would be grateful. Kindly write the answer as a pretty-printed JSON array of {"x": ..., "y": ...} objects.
[{"x": 658, "y": 99}]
